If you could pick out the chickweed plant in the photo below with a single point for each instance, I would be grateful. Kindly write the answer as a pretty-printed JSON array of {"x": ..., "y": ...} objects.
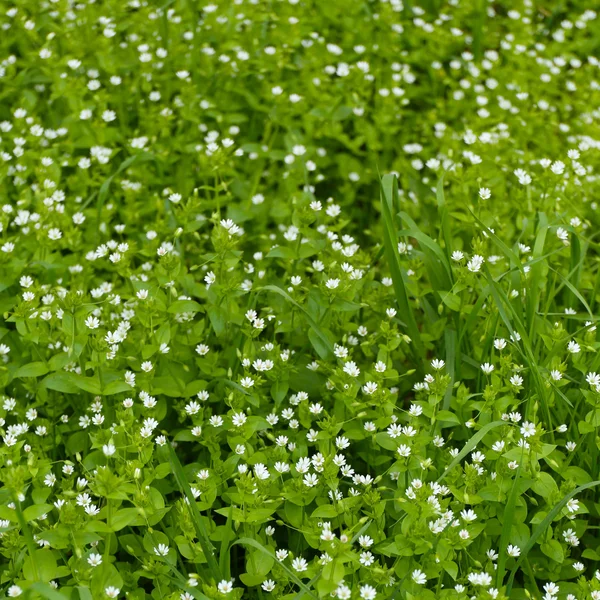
[{"x": 297, "y": 299}]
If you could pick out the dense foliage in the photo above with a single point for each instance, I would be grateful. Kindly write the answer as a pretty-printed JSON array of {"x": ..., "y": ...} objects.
[{"x": 298, "y": 299}]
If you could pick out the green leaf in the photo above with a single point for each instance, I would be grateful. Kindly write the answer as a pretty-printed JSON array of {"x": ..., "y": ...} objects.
[
  {"x": 45, "y": 591},
  {"x": 34, "y": 369},
  {"x": 123, "y": 517},
  {"x": 35, "y": 511},
  {"x": 326, "y": 511},
  {"x": 218, "y": 319},
  {"x": 185, "y": 306},
  {"x": 552, "y": 549},
  {"x": 87, "y": 384},
  {"x": 60, "y": 382},
  {"x": 46, "y": 566},
  {"x": 116, "y": 387}
]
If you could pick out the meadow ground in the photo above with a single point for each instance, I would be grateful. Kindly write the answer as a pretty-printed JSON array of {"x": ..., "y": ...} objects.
[{"x": 297, "y": 299}]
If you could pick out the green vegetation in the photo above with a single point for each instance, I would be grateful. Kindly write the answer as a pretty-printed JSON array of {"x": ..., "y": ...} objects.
[{"x": 298, "y": 300}]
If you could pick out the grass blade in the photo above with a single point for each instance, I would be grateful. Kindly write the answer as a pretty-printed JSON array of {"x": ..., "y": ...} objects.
[
  {"x": 326, "y": 351},
  {"x": 541, "y": 528},
  {"x": 203, "y": 538},
  {"x": 508, "y": 253},
  {"x": 443, "y": 216},
  {"x": 389, "y": 193},
  {"x": 515, "y": 324},
  {"x": 533, "y": 295},
  {"x": 451, "y": 354},
  {"x": 264, "y": 550},
  {"x": 507, "y": 522},
  {"x": 27, "y": 534},
  {"x": 224, "y": 563},
  {"x": 470, "y": 445}
]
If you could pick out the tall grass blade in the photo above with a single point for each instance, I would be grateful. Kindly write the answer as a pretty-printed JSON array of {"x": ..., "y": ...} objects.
[
  {"x": 469, "y": 446},
  {"x": 541, "y": 528},
  {"x": 184, "y": 486},
  {"x": 443, "y": 216},
  {"x": 254, "y": 544},
  {"x": 324, "y": 347},
  {"x": 507, "y": 523},
  {"x": 389, "y": 195}
]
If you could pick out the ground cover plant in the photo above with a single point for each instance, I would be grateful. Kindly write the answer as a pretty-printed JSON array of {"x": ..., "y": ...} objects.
[{"x": 298, "y": 299}]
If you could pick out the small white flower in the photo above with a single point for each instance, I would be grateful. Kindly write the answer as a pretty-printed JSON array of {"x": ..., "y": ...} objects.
[
  {"x": 419, "y": 577},
  {"x": 94, "y": 560},
  {"x": 161, "y": 550},
  {"x": 475, "y": 263},
  {"x": 92, "y": 322},
  {"x": 109, "y": 449},
  {"x": 14, "y": 591}
]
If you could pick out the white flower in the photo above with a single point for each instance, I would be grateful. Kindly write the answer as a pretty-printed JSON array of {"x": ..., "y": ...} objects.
[
  {"x": 527, "y": 429},
  {"x": 94, "y": 560},
  {"x": 92, "y": 322},
  {"x": 209, "y": 279},
  {"x": 404, "y": 450},
  {"x": 368, "y": 592},
  {"x": 108, "y": 449},
  {"x": 225, "y": 587},
  {"x": 310, "y": 480},
  {"x": 474, "y": 264},
  {"x": 523, "y": 177},
  {"x": 370, "y": 388},
  {"x": 482, "y": 579},
  {"x": 500, "y": 344},
  {"x": 516, "y": 380},
  {"x": 484, "y": 193},
  {"x": 419, "y": 577},
  {"x": 161, "y": 550},
  {"x": 299, "y": 564},
  {"x": 238, "y": 419},
  {"x": 351, "y": 369},
  {"x": 230, "y": 227}
]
